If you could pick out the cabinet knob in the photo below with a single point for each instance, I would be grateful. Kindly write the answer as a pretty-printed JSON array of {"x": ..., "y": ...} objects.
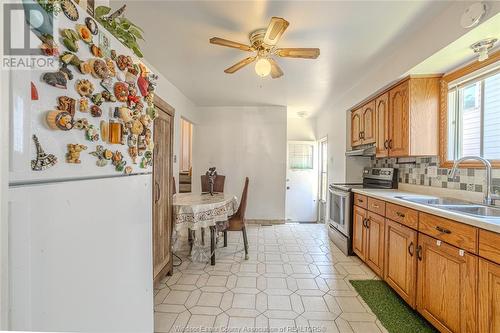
[
  {"x": 402, "y": 215},
  {"x": 443, "y": 230},
  {"x": 411, "y": 249},
  {"x": 419, "y": 252}
]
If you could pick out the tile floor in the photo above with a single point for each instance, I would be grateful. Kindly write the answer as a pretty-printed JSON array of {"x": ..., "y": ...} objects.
[{"x": 296, "y": 280}]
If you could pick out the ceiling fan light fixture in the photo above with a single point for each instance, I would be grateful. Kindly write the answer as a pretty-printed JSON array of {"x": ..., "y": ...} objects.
[
  {"x": 263, "y": 67},
  {"x": 482, "y": 47}
]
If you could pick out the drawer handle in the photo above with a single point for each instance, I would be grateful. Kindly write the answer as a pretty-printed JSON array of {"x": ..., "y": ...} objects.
[
  {"x": 360, "y": 200},
  {"x": 411, "y": 249},
  {"x": 443, "y": 230},
  {"x": 375, "y": 206},
  {"x": 368, "y": 221},
  {"x": 400, "y": 214},
  {"x": 419, "y": 252}
]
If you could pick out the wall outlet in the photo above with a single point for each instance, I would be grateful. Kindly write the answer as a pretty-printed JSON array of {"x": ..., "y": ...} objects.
[{"x": 432, "y": 171}]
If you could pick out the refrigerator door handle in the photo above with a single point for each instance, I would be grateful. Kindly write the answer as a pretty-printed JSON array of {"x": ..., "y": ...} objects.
[{"x": 158, "y": 194}]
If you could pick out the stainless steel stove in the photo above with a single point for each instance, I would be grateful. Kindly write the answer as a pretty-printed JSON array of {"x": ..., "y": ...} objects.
[{"x": 341, "y": 202}]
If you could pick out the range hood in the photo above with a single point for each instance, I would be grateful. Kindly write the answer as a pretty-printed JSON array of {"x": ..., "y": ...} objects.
[{"x": 367, "y": 151}]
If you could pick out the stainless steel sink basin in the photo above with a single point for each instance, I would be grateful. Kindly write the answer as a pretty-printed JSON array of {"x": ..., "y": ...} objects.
[
  {"x": 427, "y": 200},
  {"x": 455, "y": 205},
  {"x": 475, "y": 210}
]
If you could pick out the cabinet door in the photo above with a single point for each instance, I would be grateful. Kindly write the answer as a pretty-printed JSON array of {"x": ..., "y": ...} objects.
[
  {"x": 356, "y": 124},
  {"x": 368, "y": 117},
  {"x": 399, "y": 120},
  {"x": 374, "y": 253},
  {"x": 447, "y": 282},
  {"x": 489, "y": 296},
  {"x": 400, "y": 261},
  {"x": 359, "y": 231},
  {"x": 382, "y": 125}
]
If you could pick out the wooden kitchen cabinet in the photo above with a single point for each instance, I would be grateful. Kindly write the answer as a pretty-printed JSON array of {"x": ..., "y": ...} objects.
[
  {"x": 374, "y": 242},
  {"x": 447, "y": 285},
  {"x": 400, "y": 260},
  {"x": 489, "y": 297},
  {"x": 359, "y": 231},
  {"x": 382, "y": 125},
  {"x": 363, "y": 122},
  {"x": 398, "y": 144}
]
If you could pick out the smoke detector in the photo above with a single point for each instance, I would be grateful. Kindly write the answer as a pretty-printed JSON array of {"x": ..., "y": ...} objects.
[
  {"x": 472, "y": 15},
  {"x": 482, "y": 47}
]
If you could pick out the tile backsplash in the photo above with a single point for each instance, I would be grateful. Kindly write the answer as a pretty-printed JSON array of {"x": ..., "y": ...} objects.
[{"x": 426, "y": 171}]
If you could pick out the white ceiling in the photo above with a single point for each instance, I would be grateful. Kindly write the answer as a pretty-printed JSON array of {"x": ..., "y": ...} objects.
[{"x": 353, "y": 37}]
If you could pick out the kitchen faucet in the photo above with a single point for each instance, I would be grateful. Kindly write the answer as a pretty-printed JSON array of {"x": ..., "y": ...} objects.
[{"x": 489, "y": 197}]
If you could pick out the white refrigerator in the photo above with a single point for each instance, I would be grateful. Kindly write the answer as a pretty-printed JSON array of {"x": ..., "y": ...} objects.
[{"x": 79, "y": 235}]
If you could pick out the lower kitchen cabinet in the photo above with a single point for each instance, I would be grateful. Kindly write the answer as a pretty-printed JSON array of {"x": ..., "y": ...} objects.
[
  {"x": 489, "y": 297},
  {"x": 447, "y": 286},
  {"x": 359, "y": 231},
  {"x": 400, "y": 260},
  {"x": 374, "y": 251}
]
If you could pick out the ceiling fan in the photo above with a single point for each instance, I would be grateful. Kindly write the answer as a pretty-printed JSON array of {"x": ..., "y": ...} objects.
[{"x": 263, "y": 42}]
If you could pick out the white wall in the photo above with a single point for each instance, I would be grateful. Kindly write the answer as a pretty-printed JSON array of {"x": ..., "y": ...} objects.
[
  {"x": 301, "y": 129},
  {"x": 245, "y": 142}
]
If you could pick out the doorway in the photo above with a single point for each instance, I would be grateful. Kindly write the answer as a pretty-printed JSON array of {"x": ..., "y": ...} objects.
[
  {"x": 323, "y": 179},
  {"x": 186, "y": 160},
  {"x": 302, "y": 181}
]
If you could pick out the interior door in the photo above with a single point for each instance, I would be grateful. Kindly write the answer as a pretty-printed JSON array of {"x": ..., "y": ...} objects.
[
  {"x": 399, "y": 120},
  {"x": 302, "y": 181},
  {"x": 382, "y": 125},
  {"x": 162, "y": 191}
]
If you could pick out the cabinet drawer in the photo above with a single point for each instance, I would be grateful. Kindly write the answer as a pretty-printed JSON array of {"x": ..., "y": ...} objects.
[
  {"x": 376, "y": 206},
  {"x": 360, "y": 200},
  {"x": 403, "y": 215},
  {"x": 489, "y": 245},
  {"x": 455, "y": 233}
]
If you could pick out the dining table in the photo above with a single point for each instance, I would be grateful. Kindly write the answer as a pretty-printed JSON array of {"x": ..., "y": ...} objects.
[{"x": 195, "y": 211}]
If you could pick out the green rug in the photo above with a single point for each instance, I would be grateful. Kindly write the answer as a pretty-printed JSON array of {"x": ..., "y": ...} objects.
[{"x": 390, "y": 309}]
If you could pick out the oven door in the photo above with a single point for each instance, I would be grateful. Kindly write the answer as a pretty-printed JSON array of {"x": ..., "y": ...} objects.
[{"x": 339, "y": 214}]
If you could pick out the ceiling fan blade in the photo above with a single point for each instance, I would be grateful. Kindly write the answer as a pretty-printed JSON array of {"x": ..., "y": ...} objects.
[
  {"x": 240, "y": 65},
  {"x": 305, "y": 53},
  {"x": 275, "y": 30},
  {"x": 230, "y": 43},
  {"x": 276, "y": 71}
]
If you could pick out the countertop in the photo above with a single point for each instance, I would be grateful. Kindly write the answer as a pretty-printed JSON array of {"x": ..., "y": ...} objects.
[{"x": 390, "y": 196}]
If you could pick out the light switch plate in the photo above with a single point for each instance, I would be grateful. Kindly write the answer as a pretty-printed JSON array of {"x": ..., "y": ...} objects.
[{"x": 432, "y": 171}]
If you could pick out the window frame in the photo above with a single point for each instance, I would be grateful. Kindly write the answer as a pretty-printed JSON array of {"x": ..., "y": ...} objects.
[{"x": 443, "y": 114}]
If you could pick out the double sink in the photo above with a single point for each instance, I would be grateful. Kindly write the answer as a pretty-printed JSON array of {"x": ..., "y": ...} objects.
[{"x": 456, "y": 205}]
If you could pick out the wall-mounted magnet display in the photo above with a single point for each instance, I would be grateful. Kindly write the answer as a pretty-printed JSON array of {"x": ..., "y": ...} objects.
[
  {"x": 67, "y": 104},
  {"x": 73, "y": 154},
  {"x": 42, "y": 161},
  {"x": 59, "y": 120}
]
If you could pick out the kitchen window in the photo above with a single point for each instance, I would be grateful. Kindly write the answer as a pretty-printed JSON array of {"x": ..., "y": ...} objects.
[{"x": 472, "y": 123}]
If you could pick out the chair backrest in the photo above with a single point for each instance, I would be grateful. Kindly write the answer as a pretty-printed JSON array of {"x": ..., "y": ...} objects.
[
  {"x": 218, "y": 185},
  {"x": 243, "y": 203}
]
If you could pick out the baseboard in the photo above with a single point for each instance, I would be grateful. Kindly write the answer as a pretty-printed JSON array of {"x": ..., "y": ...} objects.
[{"x": 255, "y": 221}]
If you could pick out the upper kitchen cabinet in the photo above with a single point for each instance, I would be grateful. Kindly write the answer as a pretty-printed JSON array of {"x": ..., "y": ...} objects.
[
  {"x": 363, "y": 124},
  {"x": 403, "y": 120}
]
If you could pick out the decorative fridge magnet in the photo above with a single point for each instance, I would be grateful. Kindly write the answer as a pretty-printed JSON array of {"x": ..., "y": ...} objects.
[
  {"x": 104, "y": 44},
  {"x": 57, "y": 79},
  {"x": 150, "y": 98},
  {"x": 143, "y": 69},
  {"x": 108, "y": 97},
  {"x": 96, "y": 51},
  {"x": 68, "y": 58},
  {"x": 147, "y": 160},
  {"x": 146, "y": 120},
  {"x": 133, "y": 153},
  {"x": 92, "y": 134},
  {"x": 85, "y": 67},
  {"x": 69, "y": 9},
  {"x": 118, "y": 161},
  {"x": 67, "y": 104},
  {"x": 115, "y": 132},
  {"x": 97, "y": 99},
  {"x": 70, "y": 39},
  {"x": 130, "y": 77},
  {"x": 128, "y": 170},
  {"x": 125, "y": 136},
  {"x": 81, "y": 124},
  {"x": 92, "y": 25},
  {"x": 139, "y": 107},
  {"x": 107, "y": 84},
  {"x": 111, "y": 66},
  {"x": 143, "y": 85},
  {"x": 113, "y": 55},
  {"x": 152, "y": 78},
  {"x": 73, "y": 154},
  {"x": 99, "y": 68},
  {"x": 34, "y": 92},
  {"x": 121, "y": 91},
  {"x": 91, "y": 7},
  {"x": 141, "y": 144},
  {"x": 137, "y": 127},
  {"x": 133, "y": 100},
  {"x": 151, "y": 112},
  {"x": 95, "y": 111},
  {"x": 84, "y": 87},
  {"x": 148, "y": 139},
  {"x": 43, "y": 161},
  {"x": 103, "y": 155},
  {"x": 84, "y": 104},
  {"x": 120, "y": 76},
  {"x": 123, "y": 62},
  {"x": 59, "y": 120},
  {"x": 84, "y": 33},
  {"x": 104, "y": 130}
]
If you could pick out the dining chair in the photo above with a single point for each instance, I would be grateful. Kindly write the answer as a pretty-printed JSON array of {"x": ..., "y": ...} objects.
[
  {"x": 218, "y": 184},
  {"x": 237, "y": 221}
]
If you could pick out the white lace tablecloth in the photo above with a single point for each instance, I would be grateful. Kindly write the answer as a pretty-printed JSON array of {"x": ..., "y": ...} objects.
[{"x": 195, "y": 210}]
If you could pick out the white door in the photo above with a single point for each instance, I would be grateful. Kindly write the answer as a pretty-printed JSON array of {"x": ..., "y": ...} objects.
[{"x": 302, "y": 181}]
